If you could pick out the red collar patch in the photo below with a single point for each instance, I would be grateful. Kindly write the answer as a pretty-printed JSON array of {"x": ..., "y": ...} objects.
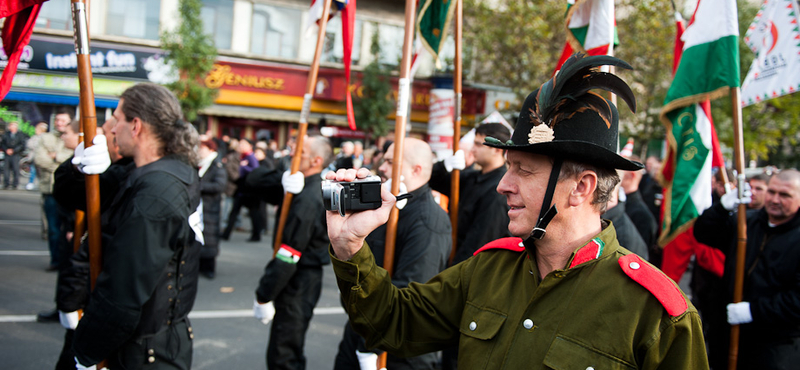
[
  {"x": 511, "y": 244},
  {"x": 662, "y": 287},
  {"x": 590, "y": 251}
]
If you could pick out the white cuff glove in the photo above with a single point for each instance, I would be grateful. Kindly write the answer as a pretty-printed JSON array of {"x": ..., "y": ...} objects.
[
  {"x": 367, "y": 360},
  {"x": 455, "y": 161},
  {"x": 93, "y": 160},
  {"x": 739, "y": 313},
  {"x": 69, "y": 320},
  {"x": 264, "y": 312},
  {"x": 293, "y": 183},
  {"x": 731, "y": 198},
  {"x": 403, "y": 189},
  {"x": 78, "y": 366}
]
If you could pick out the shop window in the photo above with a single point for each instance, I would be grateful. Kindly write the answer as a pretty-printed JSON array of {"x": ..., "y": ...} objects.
[
  {"x": 275, "y": 31},
  {"x": 391, "y": 41},
  {"x": 333, "y": 50},
  {"x": 217, "y": 16},
  {"x": 134, "y": 18},
  {"x": 55, "y": 15}
]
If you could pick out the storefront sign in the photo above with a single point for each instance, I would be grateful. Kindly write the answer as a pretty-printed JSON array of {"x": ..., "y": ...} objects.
[{"x": 102, "y": 86}]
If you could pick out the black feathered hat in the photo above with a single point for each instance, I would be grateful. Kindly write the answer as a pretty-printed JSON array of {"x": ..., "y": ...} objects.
[{"x": 565, "y": 119}]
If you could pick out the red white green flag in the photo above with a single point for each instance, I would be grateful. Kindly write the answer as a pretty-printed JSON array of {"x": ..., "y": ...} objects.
[
  {"x": 591, "y": 27},
  {"x": 708, "y": 68},
  {"x": 774, "y": 36}
]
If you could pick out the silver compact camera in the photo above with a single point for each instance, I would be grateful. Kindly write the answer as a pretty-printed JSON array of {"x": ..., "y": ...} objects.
[{"x": 358, "y": 195}]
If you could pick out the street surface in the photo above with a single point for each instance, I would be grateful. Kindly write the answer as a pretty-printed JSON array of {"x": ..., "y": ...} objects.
[{"x": 226, "y": 334}]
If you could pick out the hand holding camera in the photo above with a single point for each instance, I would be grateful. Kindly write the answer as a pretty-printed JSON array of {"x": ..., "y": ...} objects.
[{"x": 347, "y": 229}]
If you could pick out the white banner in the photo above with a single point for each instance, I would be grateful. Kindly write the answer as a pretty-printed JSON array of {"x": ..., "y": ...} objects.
[{"x": 775, "y": 39}]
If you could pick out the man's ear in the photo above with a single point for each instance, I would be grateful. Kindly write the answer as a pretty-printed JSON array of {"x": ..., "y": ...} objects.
[
  {"x": 586, "y": 183},
  {"x": 137, "y": 126}
]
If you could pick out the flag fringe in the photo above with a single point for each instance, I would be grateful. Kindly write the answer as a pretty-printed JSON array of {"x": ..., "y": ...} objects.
[
  {"x": 445, "y": 31},
  {"x": 571, "y": 39}
]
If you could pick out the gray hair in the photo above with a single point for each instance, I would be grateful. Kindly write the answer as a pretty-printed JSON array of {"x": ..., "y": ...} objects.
[{"x": 607, "y": 180}]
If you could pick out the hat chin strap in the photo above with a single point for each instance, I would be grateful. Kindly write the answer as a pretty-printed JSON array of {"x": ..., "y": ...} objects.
[{"x": 546, "y": 216}]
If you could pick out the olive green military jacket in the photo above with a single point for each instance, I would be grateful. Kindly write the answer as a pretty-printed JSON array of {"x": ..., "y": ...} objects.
[{"x": 592, "y": 314}]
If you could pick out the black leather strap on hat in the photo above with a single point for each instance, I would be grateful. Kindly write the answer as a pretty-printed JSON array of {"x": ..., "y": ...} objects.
[{"x": 546, "y": 216}]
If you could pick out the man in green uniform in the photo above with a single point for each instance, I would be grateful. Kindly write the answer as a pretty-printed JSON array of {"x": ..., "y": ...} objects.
[{"x": 563, "y": 293}]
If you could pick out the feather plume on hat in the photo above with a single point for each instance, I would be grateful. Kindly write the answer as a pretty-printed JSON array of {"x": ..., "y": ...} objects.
[{"x": 569, "y": 91}]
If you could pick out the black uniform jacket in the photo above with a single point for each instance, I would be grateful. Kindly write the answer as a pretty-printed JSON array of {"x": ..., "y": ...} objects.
[
  {"x": 627, "y": 234},
  {"x": 305, "y": 232},
  {"x": 149, "y": 276},
  {"x": 645, "y": 222},
  {"x": 772, "y": 269},
  {"x": 482, "y": 211}
]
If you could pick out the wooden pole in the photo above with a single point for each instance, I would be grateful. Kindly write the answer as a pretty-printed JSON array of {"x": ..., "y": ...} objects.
[
  {"x": 741, "y": 235},
  {"x": 89, "y": 127},
  {"x": 455, "y": 176},
  {"x": 403, "y": 94},
  {"x": 311, "y": 82}
]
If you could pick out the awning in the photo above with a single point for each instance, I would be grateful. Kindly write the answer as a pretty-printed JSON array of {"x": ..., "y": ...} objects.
[
  {"x": 268, "y": 114},
  {"x": 58, "y": 99}
]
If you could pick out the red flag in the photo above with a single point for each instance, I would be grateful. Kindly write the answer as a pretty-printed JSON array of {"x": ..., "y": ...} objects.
[
  {"x": 17, "y": 29},
  {"x": 348, "y": 28}
]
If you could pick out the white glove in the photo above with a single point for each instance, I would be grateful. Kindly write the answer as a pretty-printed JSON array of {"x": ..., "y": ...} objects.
[
  {"x": 731, "y": 198},
  {"x": 93, "y": 160},
  {"x": 264, "y": 312},
  {"x": 455, "y": 161},
  {"x": 78, "y": 366},
  {"x": 69, "y": 320},
  {"x": 367, "y": 360},
  {"x": 739, "y": 313},
  {"x": 403, "y": 189},
  {"x": 293, "y": 183}
]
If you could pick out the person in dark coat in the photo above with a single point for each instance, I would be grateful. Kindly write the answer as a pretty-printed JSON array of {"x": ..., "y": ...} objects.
[
  {"x": 291, "y": 284},
  {"x": 627, "y": 234},
  {"x": 769, "y": 314},
  {"x": 243, "y": 198},
  {"x": 213, "y": 180},
  {"x": 422, "y": 249},
  {"x": 136, "y": 315},
  {"x": 637, "y": 210},
  {"x": 12, "y": 144}
]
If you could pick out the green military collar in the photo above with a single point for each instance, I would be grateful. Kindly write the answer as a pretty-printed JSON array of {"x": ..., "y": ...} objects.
[{"x": 602, "y": 244}]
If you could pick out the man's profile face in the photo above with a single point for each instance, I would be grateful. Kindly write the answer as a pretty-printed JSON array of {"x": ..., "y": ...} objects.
[
  {"x": 388, "y": 161},
  {"x": 482, "y": 154},
  {"x": 782, "y": 200},
  {"x": 13, "y": 127},
  {"x": 71, "y": 138},
  {"x": 123, "y": 132},
  {"x": 524, "y": 185},
  {"x": 759, "y": 190},
  {"x": 61, "y": 122},
  {"x": 108, "y": 130},
  {"x": 306, "y": 156}
]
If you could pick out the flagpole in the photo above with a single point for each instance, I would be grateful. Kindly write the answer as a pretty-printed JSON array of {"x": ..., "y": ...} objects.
[
  {"x": 89, "y": 127},
  {"x": 311, "y": 82},
  {"x": 403, "y": 93},
  {"x": 455, "y": 176},
  {"x": 741, "y": 235}
]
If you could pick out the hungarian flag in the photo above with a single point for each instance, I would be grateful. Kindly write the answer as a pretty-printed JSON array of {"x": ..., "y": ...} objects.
[
  {"x": 774, "y": 36},
  {"x": 591, "y": 27},
  {"x": 20, "y": 17},
  {"x": 708, "y": 68},
  {"x": 348, "y": 10},
  {"x": 433, "y": 22}
]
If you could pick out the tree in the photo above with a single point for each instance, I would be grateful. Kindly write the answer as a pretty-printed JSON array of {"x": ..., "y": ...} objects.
[
  {"x": 374, "y": 105},
  {"x": 193, "y": 53}
]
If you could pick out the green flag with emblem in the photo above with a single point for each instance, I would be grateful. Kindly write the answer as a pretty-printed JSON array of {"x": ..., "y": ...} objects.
[{"x": 433, "y": 22}]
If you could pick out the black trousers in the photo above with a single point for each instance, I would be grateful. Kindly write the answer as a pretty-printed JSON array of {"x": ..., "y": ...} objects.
[
  {"x": 351, "y": 342},
  {"x": 294, "y": 307},
  {"x": 252, "y": 204},
  {"x": 11, "y": 167}
]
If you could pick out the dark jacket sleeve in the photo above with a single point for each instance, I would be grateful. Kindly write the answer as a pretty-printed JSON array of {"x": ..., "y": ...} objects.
[
  {"x": 73, "y": 281},
  {"x": 265, "y": 183},
  {"x": 421, "y": 257},
  {"x": 297, "y": 234},
  {"x": 715, "y": 226},
  {"x": 69, "y": 185},
  {"x": 440, "y": 178},
  {"x": 132, "y": 264},
  {"x": 218, "y": 181}
]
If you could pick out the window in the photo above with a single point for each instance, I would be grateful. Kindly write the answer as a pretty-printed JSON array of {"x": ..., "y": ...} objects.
[
  {"x": 391, "y": 41},
  {"x": 134, "y": 18},
  {"x": 55, "y": 15},
  {"x": 217, "y": 16},
  {"x": 333, "y": 50},
  {"x": 275, "y": 31}
]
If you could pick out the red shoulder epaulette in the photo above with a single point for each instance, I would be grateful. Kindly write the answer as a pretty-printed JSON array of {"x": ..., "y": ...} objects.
[
  {"x": 665, "y": 290},
  {"x": 512, "y": 244}
]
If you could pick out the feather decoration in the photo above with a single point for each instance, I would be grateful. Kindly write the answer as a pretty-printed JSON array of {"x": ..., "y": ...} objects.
[{"x": 568, "y": 92}]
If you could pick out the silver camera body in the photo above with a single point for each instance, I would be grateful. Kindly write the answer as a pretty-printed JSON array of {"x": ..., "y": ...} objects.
[{"x": 358, "y": 195}]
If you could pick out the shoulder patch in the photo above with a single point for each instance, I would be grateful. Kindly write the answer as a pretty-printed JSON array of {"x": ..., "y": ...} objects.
[
  {"x": 511, "y": 244},
  {"x": 662, "y": 287}
]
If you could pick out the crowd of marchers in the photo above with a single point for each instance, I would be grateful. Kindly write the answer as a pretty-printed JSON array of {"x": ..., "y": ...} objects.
[{"x": 574, "y": 224}]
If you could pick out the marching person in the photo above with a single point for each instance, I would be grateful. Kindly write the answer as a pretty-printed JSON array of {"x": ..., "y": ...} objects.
[
  {"x": 137, "y": 313},
  {"x": 769, "y": 313},
  {"x": 292, "y": 282},
  {"x": 213, "y": 181},
  {"x": 563, "y": 293},
  {"x": 12, "y": 144},
  {"x": 422, "y": 248}
]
